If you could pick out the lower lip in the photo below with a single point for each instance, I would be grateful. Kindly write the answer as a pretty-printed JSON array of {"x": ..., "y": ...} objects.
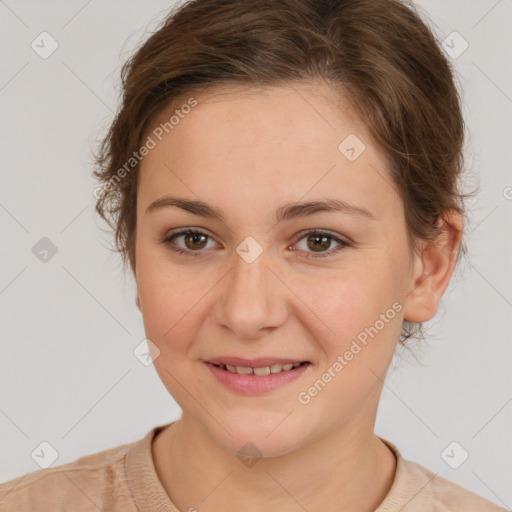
[{"x": 254, "y": 384}]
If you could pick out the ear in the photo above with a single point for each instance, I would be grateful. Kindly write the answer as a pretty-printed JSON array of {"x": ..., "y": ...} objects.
[
  {"x": 433, "y": 269},
  {"x": 137, "y": 300}
]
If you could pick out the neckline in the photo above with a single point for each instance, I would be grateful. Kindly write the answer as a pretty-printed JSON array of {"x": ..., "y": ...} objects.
[{"x": 150, "y": 495}]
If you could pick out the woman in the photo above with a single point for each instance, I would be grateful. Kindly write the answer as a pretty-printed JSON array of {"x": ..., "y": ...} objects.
[{"x": 282, "y": 178}]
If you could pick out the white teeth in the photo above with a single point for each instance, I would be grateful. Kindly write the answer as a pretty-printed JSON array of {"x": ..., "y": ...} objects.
[
  {"x": 243, "y": 370},
  {"x": 276, "y": 368},
  {"x": 262, "y": 371}
]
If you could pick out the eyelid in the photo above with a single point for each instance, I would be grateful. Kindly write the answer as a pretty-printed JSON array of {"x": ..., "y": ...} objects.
[
  {"x": 321, "y": 231},
  {"x": 342, "y": 243}
]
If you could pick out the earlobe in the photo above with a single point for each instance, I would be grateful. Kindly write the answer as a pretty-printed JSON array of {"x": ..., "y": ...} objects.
[
  {"x": 137, "y": 301},
  {"x": 434, "y": 268}
]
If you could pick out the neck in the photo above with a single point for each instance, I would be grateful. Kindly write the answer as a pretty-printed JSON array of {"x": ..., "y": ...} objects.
[{"x": 343, "y": 471}]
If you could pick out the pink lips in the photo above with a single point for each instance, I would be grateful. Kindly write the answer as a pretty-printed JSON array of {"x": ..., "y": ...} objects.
[
  {"x": 253, "y": 363},
  {"x": 254, "y": 384}
]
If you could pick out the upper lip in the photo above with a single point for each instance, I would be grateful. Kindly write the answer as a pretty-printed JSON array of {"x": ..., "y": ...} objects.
[{"x": 260, "y": 362}]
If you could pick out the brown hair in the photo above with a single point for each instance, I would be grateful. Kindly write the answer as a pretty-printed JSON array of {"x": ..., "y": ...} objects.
[{"x": 378, "y": 54}]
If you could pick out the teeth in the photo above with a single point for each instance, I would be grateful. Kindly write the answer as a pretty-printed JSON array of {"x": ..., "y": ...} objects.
[
  {"x": 262, "y": 371},
  {"x": 243, "y": 370},
  {"x": 265, "y": 370}
]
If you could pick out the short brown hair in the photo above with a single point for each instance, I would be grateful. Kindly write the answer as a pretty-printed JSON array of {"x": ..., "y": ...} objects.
[{"x": 378, "y": 54}]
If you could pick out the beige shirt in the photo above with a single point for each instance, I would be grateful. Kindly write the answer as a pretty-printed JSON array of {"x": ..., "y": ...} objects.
[{"x": 124, "y": 479}]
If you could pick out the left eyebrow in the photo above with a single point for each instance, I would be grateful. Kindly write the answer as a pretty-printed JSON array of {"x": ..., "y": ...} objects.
[
  {"x": 294, "y": 210},
  {"x": 285, "y": 212}
]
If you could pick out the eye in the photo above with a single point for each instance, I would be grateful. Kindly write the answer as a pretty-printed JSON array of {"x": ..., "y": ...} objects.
[
  {"x": 193, "y": 240},
  {"x": 318, "y": 240}
]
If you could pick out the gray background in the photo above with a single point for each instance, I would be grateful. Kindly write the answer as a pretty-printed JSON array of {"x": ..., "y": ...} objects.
[{"x": 69, "y": 326}]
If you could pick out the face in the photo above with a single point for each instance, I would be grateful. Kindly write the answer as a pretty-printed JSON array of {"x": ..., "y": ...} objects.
[{"x": 257, "y": 281}]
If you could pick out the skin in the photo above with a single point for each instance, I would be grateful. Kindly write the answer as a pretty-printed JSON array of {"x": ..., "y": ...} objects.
[{"x": 247, "y": 151}]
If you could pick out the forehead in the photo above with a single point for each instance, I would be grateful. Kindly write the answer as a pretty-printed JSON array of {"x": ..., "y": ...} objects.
[{"x": 273, "y": 141}]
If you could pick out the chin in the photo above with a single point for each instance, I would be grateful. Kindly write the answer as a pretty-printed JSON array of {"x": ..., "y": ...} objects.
[{"x": 259, "y": 435}]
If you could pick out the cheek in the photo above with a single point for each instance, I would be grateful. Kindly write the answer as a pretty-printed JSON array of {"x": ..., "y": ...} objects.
[
  {"x": 345, "y": 302},
  {"x": 170, "y": 306}
]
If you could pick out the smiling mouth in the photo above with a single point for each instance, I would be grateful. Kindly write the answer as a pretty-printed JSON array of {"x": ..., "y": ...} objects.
[{"x": 261, "y": 371}]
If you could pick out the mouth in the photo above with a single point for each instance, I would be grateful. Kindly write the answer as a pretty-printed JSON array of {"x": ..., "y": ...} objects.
[
  {"x": 256, "y": 376},
  {"x": 260, "y": 371}
]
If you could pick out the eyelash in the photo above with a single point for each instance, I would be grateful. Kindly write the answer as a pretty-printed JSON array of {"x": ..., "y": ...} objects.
[{"x": 303, "y": 234}]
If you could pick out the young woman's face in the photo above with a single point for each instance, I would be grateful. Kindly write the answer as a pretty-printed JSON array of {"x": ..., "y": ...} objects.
[{"x": 257, "y": 283}]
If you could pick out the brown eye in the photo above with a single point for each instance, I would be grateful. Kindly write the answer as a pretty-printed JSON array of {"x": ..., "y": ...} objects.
[
  {"x": 195, "y": 240},
  {"x": 318, "y": 243},
  {"x": 192, "y": 242}
]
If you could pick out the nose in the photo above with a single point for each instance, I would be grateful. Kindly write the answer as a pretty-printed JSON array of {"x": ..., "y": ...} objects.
[{"x": 252, "y": 300}]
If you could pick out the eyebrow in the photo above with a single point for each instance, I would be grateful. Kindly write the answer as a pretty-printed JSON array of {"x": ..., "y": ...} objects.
[{"x": 285, "y": 212}]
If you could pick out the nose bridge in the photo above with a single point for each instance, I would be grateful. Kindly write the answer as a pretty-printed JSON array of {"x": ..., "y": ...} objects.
[{"x": 249, "y": 300}]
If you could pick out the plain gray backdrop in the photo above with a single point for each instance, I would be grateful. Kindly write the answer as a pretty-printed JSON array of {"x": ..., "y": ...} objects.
[{"x": 69, "y": 324}]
